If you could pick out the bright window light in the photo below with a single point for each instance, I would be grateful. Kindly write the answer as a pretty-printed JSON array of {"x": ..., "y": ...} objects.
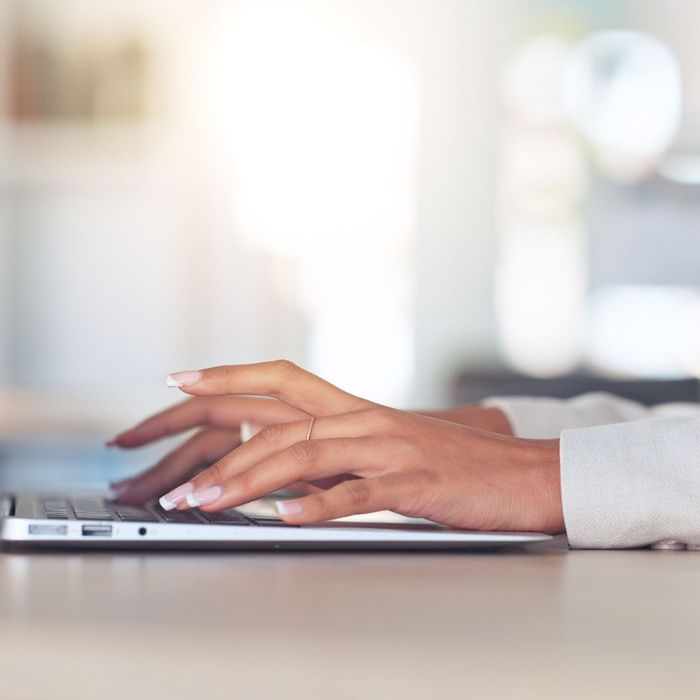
[{"x": 323, "y": 139}]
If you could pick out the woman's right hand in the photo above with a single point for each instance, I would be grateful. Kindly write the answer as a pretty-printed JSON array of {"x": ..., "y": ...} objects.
[{"x": 219, "y": 419}]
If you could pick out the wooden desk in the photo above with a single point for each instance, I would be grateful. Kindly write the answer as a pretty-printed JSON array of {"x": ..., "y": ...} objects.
[{"x": 541, "y": 622}]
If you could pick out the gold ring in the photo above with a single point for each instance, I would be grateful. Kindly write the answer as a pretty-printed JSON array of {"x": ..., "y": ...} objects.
[{"x": 311, "y": 427}]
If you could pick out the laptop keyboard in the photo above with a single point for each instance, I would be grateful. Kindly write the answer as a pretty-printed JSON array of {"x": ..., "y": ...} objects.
[{"x": 99, "y": 509}]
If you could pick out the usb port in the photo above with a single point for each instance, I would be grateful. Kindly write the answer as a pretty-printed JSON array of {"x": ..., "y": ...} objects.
[{"x": 97, "y": 530}]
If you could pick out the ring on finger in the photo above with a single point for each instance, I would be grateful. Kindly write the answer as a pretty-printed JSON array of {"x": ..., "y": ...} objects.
[{"x": 312, "y": 420}]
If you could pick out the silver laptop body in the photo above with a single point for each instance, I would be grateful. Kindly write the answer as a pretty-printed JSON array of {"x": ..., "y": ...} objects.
[{"x": 89, "y": 520}]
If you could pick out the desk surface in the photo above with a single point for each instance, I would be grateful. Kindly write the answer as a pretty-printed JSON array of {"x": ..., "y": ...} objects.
[{"x": 538, "y": 622}]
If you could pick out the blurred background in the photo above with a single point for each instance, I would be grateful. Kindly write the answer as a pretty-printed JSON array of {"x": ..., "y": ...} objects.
[{"x": 423, "y": 201}]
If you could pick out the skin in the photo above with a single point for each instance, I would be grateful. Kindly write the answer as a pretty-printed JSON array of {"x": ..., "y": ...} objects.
[{"x": 462, "y": 467}]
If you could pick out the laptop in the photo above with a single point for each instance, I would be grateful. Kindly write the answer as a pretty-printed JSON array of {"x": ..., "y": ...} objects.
[{"x": 89, "y": 520}]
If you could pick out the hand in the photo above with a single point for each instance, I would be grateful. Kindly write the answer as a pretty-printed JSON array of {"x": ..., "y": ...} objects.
[
  {"x": 416, "y": 465},
  {"x": 220, "y": 418}
]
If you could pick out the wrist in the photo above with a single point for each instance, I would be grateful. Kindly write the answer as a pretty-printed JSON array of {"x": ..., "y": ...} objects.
[
  {"x": 527, "y": 474},
  {"x": 549, "y": 501}
]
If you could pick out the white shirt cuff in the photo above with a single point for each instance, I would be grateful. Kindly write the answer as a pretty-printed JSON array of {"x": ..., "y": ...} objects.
[
  {"x": 545, "y": 418},
  {"x": 633, "y": 484}
]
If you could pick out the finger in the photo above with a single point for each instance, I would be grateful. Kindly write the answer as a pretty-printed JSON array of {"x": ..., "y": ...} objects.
[
  {"x": 280, "y": 379},
  {"x": 303, "y": 461},
  {"x": 279, "y": 437},
  {"x": 202, "y": 449},
  {"x": 214, "y": 411},
  {"x": 347, "y": 498}
]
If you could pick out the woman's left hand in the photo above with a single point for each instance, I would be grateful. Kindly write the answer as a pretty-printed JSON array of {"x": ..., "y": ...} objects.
[{"x": 381, "y": 459}]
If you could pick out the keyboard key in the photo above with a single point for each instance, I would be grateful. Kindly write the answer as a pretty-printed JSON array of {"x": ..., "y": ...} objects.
[
  {"x": 84, "y": 515},
  {"x": 56, "y": 513},
  {"x": 57, "y": 509},
  {"x": 226, "y": 517},
  {"x": 85, "y": 508},
  {"x": 134, "y": 514},
  {"x": 130, "y": 510},
  {"x": 180, "y": 516},
  {"x": 272, "y": 523}
]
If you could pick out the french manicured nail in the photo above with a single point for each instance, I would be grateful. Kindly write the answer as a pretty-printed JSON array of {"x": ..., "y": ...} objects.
[
  {"x": 288, "y": 507},
  {"x": 204, "y": 497},
  {"x": 178, "y": 379},
  {"x": 173, "y": 498}
]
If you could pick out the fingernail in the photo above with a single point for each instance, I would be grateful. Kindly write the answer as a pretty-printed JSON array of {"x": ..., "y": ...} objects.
[
  {"x": 204, "y": 497},
  {"x": 289, "y": 507},
  {"x": 178, "y": 379},
  {"x": 171, "y": 499}
]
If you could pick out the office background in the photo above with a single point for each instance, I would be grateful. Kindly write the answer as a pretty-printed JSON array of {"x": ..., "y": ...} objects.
[{"x": 404, "y": 196}]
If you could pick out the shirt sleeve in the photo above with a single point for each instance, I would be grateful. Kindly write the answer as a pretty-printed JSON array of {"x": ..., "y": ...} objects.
[
  {"x": 632, "y": 484},
  {"x": 545, "y": 418}
]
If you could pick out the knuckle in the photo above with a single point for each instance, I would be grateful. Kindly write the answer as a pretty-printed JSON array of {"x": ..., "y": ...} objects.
[
  {"x": 244, "y": 482},
  {"x": 304, "y": 452},
  {"x": 271, "y": 433},
  {"x": 285, "y": 369},
  {"x": 358, "y": 492},
  {"x": 284, "y": 372},
  {"x": 216, "y": 472},
  {"x": 319, "y": 506}
]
